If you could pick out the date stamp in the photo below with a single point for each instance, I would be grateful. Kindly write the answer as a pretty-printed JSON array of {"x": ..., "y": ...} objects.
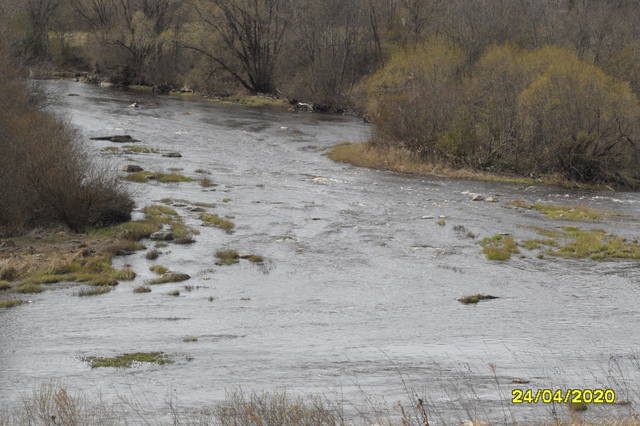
[{"x": 563, "y": 396}]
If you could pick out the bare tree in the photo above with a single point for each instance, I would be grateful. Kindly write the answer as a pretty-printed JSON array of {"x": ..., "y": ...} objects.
[{"x": 251, "y": 35}]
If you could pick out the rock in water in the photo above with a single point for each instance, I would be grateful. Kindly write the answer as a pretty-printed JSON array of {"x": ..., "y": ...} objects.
[
  {"x": 116, "y": 139},
  {"x": 172, "y": 155},
  {"x": 477, "y": 197},
  {"x": 132, "y": 168},
  {"x": 162, "y": 236}
]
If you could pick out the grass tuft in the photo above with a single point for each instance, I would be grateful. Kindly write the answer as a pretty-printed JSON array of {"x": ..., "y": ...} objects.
[
  {"x": 499, "y": 247},
  {"x": 476, "y": 298},
  {"x": 572, "y": 213},
  {"x": 227, "y": 257},
  {"x": 95, "y": 291},
  {"x": 170, "y": 277},
  {"x": 216, "y": 221},
  {"x": 142, "y": 289},
  {"x": 144, "y": 177},
  {"x": 159, "y": 269},
  {"x": 5, "y": 304},
  {"x": 128, "y": 360}
]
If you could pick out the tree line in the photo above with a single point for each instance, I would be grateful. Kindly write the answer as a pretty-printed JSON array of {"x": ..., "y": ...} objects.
[{"x": 481, "y": 83}]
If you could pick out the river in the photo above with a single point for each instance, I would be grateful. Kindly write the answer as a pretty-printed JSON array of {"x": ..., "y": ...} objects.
[{"x": 360, "y": 285}]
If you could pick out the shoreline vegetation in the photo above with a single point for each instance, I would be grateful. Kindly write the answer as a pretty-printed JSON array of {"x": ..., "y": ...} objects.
[
  {"x": 54, "y": 405},
  {"x": 401, "y": 160}
]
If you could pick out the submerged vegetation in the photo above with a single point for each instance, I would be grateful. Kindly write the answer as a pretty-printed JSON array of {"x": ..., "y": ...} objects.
[
  {"x": 569, "y": 243},
  {"x": 145, "y": 177},
  {"x": 169, "y": 277},
  {"x": 570, "y": 213},
  {"x": 10, "y": 303},
  {"x": 95, "y": 291},
  {"x": 216, "y": 221},
  {"x": 227, "y": 257},
  {"x": 472, "y": 300},
  {"x": 128, "y": 360},
  {"x": 499, "y": 247}
]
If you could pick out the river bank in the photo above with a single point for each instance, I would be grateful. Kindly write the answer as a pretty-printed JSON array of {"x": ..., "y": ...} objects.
[{"x": 365, "y": 154}]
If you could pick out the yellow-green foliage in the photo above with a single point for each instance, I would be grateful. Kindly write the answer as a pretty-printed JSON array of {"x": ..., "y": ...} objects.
[
  {"x": 410, "y": 98},
  {"x": 539, "y": 113},
  {"x": 499, "y": 247},
  {"x": 575, "y": 213},
  {"x": 4, "y": 285},
  {"x": 216, "y": 221},
  {"x": 10, "y": 303}
]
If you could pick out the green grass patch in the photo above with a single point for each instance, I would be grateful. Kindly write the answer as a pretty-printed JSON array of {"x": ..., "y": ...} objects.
[
  {"x": 216, "y": 221},
  {"x": 182, "y": 234},
  {"x": 251, "y": 101},
  {"x": 124, "y": 247},
  {"x": 227, "y": 257},
  {"x": 159, "y": 269},
  {"x": 29, "y": 288},
  {"x": 169, "y": 277},
  {"x": 5, "y": 304},
  {"x": 190, "y": 339},
  {"x": 499, "y": 247},
  {"x": 535, "y": 244},
  {"x": 145, "y": 177},
  {"x": 253, "y": 258},
  {"x": 95, "y": 291},
  {"x": 128, "y": 360},
  {"x": 544, "y": 232},
  {"x": 596, "y": 244},
  {"x": 571, "y": 213}
]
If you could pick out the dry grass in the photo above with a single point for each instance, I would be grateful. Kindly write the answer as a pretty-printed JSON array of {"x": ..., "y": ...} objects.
[
  {"x": 363, "y": 154},
  {"x": 53, "y": 405},
  {"x": 403, "y": 161}
]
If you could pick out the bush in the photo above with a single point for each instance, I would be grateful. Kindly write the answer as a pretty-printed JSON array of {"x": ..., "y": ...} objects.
[
  {"x": 581, "y": 123},
  {"x": 530, "y": 112},
  {"x": 46, "y": 177},
  {"x": 412, "y": 99}
]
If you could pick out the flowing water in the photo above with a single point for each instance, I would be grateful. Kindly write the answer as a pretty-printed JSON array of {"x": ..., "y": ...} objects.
[{"x": 360, "y": 285}]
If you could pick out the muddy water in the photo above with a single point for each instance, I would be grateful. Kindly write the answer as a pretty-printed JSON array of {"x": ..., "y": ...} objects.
[{"x": 359, "y": 290}]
